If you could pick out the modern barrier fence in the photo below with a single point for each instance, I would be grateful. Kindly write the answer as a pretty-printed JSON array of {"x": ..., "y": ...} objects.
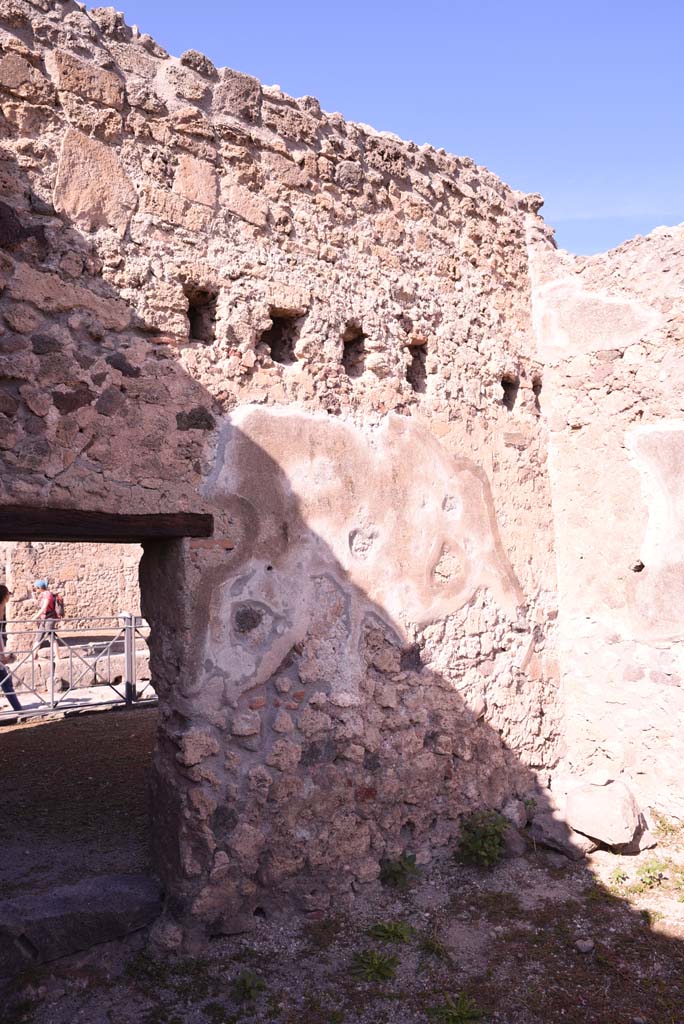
[{"x": 75, "y": 663}]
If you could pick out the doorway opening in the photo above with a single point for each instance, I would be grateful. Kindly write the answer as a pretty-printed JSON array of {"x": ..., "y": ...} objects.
[{"x": 75, "y": 824}]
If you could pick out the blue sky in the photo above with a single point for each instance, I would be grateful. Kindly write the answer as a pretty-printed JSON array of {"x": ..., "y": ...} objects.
[{"x": 583, "y": 102}]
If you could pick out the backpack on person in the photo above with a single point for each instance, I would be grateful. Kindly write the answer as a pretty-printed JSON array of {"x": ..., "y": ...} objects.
[{"x": 58, "y": 607}]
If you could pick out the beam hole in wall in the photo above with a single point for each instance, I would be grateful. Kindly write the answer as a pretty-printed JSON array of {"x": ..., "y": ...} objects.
[
  {"x": 536, "y": 391},
  {"x": 201, "y": 313},
  {"x": 509, "y": 384},
  {"x": 416, "y": 373},
  {"x": 353, "y": 349},
  {"x": 281, "y": 337}
]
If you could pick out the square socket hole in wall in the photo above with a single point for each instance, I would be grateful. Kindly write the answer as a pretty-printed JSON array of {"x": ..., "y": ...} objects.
[
  {"x": 416, "y": 373},
  {"x": 281, "y": 337},
  {"x": 353, "y": 350},
  {"x": 510, "y": 383},
  {"x": 201, "y": 313}
]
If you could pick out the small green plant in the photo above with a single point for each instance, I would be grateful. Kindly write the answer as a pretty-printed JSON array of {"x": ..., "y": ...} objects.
[
  {"x": 247, "y": 987},
  {"x": 482, "y": 838},
  {"x": 433, "y": 946},
  {"x": 323, "y": 933},
  {"x": 391, "y": 931},
  {"x": 373, "y": 966},
  {"x": 399, "y": 873},
  {"x": 651, "y": 916},
  {"x": 530, "y": 806},
  {"x": 462, "y": 1011},
  {"x": 651, "y": 874},
  {"x": 619, "y": 876},
  {"x": 668, "y": 828}
]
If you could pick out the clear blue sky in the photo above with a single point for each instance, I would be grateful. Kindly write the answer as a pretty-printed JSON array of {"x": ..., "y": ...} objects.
[{"x": 581, "y": 101}]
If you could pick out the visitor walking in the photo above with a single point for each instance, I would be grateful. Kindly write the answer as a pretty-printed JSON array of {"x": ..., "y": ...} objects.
[
  {"x": 6, "y": 682},
  {"x": 46, "y": 615}
]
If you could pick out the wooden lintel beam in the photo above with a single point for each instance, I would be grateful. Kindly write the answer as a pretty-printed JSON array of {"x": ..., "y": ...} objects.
[{"x": 19, "y": 522}]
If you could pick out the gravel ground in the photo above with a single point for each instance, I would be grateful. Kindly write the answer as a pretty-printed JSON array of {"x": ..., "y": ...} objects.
[
  {"x": 526, "y": 942},
  {"x": 74, "y": 798}
]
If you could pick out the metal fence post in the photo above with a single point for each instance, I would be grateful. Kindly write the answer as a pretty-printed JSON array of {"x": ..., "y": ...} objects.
[
  {"x": 52, "y": 667},
  {"x": 129, "y": 657}
]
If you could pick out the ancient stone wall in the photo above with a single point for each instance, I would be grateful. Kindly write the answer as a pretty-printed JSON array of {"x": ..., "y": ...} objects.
[
  {"x": 218, "y": 298},
  {"x": 609, "y": 330},
  {"x": 93, "y": 579}
]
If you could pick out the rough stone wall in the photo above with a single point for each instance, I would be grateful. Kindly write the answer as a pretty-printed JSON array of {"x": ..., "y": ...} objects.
[
  {"x": 610, "y": 330},
  {"x": 94, "y": 579},
  {"x": 218, "y": 298}
]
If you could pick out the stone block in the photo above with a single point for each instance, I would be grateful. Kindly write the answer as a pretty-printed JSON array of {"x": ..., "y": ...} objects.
[
  {"x": 239, "y": 95},
  {"x": 185, "y": 84},
  {"x": 176, "y": 209},
  {"x": 548, "y": 829},
  {"x": 608, "y": 813},
  {"x": 198, "y": 62},
  {"x": 21, "y": 79},
  {"x": 247, "y": 724},
  {"x": 92, "y": 187},
  {"x": 349, "y": 175},
  {"x": 86, "y": 79},
  {"x": 52, "y": 294},
  {"x": 196, "y": 180},
  {"x": 42, "y": 927},
  {"x": 245, "y": 205}
]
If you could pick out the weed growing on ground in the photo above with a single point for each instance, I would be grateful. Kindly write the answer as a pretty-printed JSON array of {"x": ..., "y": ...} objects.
[
  {"x": 619, "y": 876},
  {"x": 482, "y": 838},
  {"x": 247, "y": 986},
  {"x": 433, "y": 946},
  {"x": 373, "y": 966},
  {"x": 391, "y": 931},
  {"x": 322, "y": 934},
  {"x": 649, "y": 876},
  {"x": 668, "y": 829},
  {"x": 462, "y": 1011},
  {"x": 399, "y": 873}
]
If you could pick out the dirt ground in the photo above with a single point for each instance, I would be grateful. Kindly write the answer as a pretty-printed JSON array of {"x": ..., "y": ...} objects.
[
  {"x": 526, "y": 942},
  {"x": 74, "y": 798}
]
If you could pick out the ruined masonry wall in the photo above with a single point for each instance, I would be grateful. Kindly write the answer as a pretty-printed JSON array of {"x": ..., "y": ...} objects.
[
  {"x": 217, "y": 298},
  {"x": 610, "y": 330},
  {"x": 94, "y": 579}
]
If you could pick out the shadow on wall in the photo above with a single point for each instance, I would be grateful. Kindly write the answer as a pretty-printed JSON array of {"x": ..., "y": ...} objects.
[{"x": 311, "y": 725}]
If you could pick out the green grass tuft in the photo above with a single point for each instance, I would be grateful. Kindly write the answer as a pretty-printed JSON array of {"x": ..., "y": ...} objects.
[{"x": 370, "y": 965}]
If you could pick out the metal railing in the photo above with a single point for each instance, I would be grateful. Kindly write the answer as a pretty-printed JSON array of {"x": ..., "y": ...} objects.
[{"x": 76, "y": 663}]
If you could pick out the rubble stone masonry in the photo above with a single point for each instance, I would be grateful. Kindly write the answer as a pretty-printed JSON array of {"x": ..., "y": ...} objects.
[
  {"x": 415, "y": 423},
  {"x": 94, "y": 580}
]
